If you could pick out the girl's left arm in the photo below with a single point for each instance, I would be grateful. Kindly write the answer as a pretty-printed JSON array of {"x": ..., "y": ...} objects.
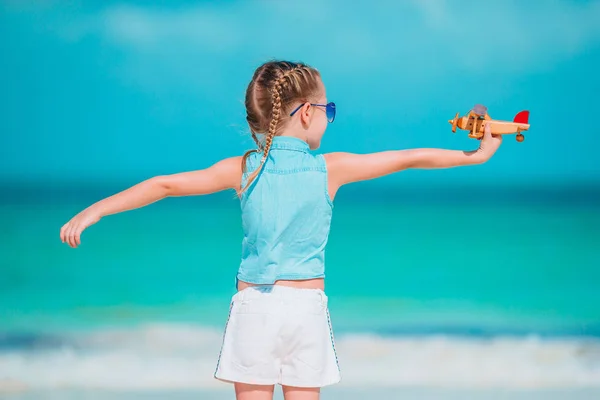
[
  {"x": 344, "y": 168},
  {"x": 225, "y": 174}
]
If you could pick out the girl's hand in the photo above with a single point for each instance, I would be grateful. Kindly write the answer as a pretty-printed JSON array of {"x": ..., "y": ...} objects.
[
  {"x": 71, "y": 231},
  {"x": 489, "y": 143}
]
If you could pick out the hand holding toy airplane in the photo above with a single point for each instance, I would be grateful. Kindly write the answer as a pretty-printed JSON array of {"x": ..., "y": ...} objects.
[{"x": 478, "y": 117}]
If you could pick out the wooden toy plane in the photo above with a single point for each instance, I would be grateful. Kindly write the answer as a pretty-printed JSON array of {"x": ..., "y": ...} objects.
[{"x": 474, "y": 122}]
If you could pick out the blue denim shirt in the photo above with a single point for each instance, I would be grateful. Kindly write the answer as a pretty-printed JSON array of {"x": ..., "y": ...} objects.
[{"x": 286, "y": 215}]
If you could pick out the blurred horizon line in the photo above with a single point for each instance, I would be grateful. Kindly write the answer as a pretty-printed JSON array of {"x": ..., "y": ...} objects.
[{"x": 584, "y": 192}]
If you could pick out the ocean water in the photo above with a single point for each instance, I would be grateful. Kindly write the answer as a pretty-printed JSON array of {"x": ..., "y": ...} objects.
[{"x": 463, "y": 288}]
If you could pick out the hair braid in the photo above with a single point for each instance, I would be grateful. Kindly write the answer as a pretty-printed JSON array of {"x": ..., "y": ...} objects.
[
  {"x": 275, "y": 86},
  {"x": 275, "y": 116},
  {"x": 245, "y": 157},
  {"x": 258, "y": 143}
]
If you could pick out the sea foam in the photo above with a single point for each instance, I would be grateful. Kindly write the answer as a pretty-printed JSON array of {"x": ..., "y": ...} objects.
[{"x": 184, "y": 357}]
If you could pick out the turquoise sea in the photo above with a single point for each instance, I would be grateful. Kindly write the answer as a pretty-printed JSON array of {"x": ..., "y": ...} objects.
[{"x": 459, "y": 287}]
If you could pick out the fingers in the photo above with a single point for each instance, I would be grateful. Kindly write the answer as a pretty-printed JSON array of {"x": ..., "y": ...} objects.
[
  {"x": 488, "y": 129},
  {"x": 74, "y": 236},
  {"x": 487, "y": 132},
  {"x": 71, "y": 234},
  {"x": 65, "y": 232},
  {"x": 77, "y": 236}
]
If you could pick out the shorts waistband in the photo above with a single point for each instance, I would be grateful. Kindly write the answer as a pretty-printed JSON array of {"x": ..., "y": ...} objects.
[{"x": 279, "y": 291}]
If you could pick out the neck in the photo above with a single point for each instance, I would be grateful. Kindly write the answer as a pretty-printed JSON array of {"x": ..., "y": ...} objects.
[{"x": 297, "y": 131}]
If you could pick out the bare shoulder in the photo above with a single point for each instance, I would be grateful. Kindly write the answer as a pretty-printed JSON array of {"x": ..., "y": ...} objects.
[
  {"x": 342, "y": 160},
  {"x": 344, "y": 167},
  {"x": 336, "y": 155},
  {"x": 229, "y": 170},
  {"x": 339, "y": 157},
  {"x": 230, "y": 164},
  {"x": 339, "y": 164},
  {"x": 221, "y": 175}
]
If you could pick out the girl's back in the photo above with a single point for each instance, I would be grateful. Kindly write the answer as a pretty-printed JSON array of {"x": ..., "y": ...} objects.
[{"x": 286, "y": 215}]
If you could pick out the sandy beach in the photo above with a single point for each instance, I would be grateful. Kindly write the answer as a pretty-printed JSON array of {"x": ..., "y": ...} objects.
[{"x": 331, "y": 393}]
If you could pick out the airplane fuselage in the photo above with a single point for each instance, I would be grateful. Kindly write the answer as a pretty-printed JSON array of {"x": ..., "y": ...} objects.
[{"x": 498, "y": 127}]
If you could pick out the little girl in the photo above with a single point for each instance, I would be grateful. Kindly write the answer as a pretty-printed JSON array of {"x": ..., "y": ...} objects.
[{"x": 278, "y": 330}]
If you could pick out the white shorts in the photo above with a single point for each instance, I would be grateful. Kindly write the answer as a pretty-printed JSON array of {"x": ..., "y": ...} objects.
[{"x": 279, "y": 335}]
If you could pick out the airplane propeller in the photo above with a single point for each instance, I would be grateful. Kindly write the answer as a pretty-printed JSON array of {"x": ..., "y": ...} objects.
[{"x": 454, "y": 122}]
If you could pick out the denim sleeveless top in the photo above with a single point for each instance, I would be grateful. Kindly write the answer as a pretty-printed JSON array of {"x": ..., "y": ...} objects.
[{"x": 286, "y": 215}]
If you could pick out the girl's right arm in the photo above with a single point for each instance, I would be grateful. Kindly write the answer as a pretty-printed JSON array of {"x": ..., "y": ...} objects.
[
  {"x": 225, "y": 174},
  {"x": 344, "y": 168}
]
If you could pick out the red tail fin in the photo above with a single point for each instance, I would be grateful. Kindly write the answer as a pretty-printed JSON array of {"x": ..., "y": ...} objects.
[{"x": 522, "y": 117}]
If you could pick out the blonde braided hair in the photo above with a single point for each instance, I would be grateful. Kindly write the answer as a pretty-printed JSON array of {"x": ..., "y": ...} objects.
[{"x": 275, "y": 86}]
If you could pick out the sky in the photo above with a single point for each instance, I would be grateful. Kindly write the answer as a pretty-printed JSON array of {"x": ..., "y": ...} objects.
[{"x": 122, "y": 91}]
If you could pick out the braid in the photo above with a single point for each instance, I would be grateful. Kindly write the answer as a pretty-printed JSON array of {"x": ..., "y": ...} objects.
[
  {"x": 258, "y": 143},
  {"x": 275, "y": 114},
  {"x": 285, "y": 82}
]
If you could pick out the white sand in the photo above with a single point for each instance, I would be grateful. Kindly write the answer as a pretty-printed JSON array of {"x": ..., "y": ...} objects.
[{"x": 327, "y": 394}]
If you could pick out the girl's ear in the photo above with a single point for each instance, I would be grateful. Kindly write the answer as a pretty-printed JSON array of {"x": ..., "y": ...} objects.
[{"x": 305, "y": 114}]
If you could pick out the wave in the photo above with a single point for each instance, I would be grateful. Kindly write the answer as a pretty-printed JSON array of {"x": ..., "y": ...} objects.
[{"x": 173, "y": 356}]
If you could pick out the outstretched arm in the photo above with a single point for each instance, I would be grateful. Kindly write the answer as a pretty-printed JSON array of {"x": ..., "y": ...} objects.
[
  {"x": 344, "y": 168},
  {"x": 225, "y": 174}
]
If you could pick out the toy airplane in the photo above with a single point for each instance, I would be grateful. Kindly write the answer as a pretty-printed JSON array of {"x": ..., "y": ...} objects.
[{"x": 474, "y": 122}]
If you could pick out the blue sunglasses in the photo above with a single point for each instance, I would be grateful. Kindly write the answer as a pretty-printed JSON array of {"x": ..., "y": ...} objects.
[{"x": 329, "y": 110}]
